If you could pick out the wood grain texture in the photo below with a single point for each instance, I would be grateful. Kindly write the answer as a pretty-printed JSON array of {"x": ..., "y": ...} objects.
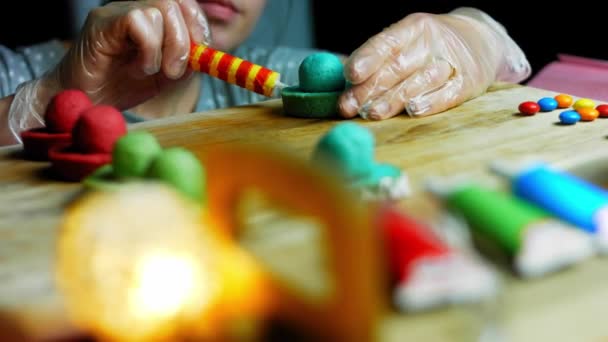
[{"x": 566, "y": 306}]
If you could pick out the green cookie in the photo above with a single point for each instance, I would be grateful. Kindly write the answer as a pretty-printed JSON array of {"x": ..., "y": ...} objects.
[{"x": 299, "y": 103}]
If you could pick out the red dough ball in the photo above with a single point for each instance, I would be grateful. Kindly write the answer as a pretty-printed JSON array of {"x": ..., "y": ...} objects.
[
  {"x": 97, "y": 129},
  {"x": 64, "y": 110}
]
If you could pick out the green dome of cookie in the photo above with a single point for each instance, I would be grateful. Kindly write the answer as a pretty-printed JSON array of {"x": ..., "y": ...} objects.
[
  {"x": 348, "y": 148},
  {"x": 180, "y": 168},
  {"x": 322, "y": 72},
  {"x": 133, "y": 153}
]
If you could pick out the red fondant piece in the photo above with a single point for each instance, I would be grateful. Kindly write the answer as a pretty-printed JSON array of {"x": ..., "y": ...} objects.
[
  {"x": 64, "y": 110},
  {"x": 98, "y": 129},
  {"x": 93, "y": 138},
  {"x": 73, "y": 166},
  {"x": 407, "y": 241},
  {"x": 61, "y": 115},
  {"x": 37, "y": 142}
]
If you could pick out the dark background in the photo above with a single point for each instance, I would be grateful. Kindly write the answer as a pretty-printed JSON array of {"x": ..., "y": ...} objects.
[
  {"x": 28, "y": 22},
  {"x": 542, "y": 29}
]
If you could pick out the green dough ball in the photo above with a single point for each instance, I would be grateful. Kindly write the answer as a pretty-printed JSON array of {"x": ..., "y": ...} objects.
[
  {"x": 181, "y": 169},
  {"x": 347, "y": 149},
  {"x": 133, "y": 153},
  {"x": 322, "y": 72}
]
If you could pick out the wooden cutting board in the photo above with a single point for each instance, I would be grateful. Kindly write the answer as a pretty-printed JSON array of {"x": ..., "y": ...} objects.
[{"x": 566, "y": 306}]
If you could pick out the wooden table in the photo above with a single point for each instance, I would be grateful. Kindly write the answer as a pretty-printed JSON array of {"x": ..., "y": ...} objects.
[{"x": 567, "y": 306}]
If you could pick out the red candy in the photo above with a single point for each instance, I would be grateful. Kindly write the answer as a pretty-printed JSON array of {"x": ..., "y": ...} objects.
[
  {"x": 98, "y": 129},
  {"x": 529, "y": 108},
  {"x": 64, "y": 109},
  {"x": 603, "y": 110}
]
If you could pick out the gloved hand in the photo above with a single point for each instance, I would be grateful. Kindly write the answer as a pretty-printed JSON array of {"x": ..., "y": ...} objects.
[
  {"x": 429, "y": 63},
  {"x": 128, "y": 52}
]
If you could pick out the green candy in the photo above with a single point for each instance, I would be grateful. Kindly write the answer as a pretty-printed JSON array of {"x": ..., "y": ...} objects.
[
  {"x": 133, "y": 154},
  {"x": 181, "y": 169},
  {"x": 321, "y": 72}
]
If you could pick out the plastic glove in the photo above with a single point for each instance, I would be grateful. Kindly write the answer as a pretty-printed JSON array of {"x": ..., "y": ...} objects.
[
  {"x": 128, "y": 52},
  {"x": 429, "y": 63}
]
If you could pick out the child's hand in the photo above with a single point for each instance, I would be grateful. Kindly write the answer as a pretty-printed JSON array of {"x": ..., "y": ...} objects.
[
  {"x": 130, "y": 51},
  {"x": 428, "y": 63}
]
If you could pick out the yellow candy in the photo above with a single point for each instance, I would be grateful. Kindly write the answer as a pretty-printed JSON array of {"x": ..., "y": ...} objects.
[{"x": 584, "y": 103}]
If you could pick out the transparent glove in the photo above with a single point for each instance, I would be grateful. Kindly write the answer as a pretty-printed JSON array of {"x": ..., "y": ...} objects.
[
  {"x": 128, "y": 52},
  {"x": 425, "y": 64}
]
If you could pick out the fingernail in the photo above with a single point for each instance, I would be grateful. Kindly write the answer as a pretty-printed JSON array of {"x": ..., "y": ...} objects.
[
  {"x": 350, "y": 103},
  {"x": 380, "y": 109},
  {"x": 357, "y": 69},
  {"x": 151, "y": 69},
  {"x": 374, "y": 111},
  {"x": 203, "y": 34},
  {"x": 418, "y": 106},
  {"x": 364, "y": 110},
  {"x": 207, "y": 39},
  {"x": 177, "y": 68},
  {"x": 155, "y": 67}
]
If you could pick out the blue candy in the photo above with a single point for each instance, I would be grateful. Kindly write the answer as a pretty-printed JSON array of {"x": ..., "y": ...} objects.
[
  {"x": 547, "y": 104},
  {"x": 569, "y": 117}
]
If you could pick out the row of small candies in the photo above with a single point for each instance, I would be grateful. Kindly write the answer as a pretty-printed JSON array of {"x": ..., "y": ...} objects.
[{"x": 582, "y": 109}]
